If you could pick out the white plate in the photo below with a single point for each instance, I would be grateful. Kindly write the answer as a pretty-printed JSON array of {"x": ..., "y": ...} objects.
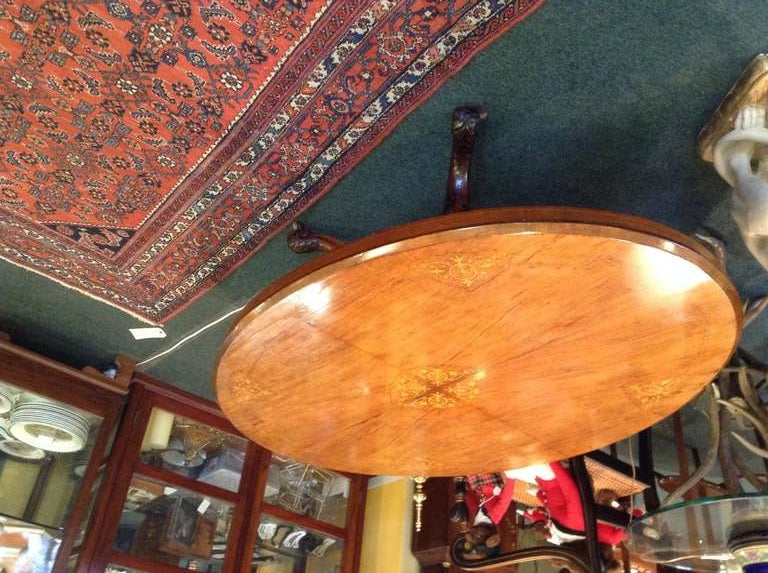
[
  {"x": 7, "y": 398},
  {"x": 72, "y": 420},
  {"x": 27, "y": 400},
  {"x": 19, "y": 414},
  {"x": 44, "y": 407},
  {"x": 63, "y": 425},
  {"x": 19, "y": 449},
  {"x": 48, "y": 437}
]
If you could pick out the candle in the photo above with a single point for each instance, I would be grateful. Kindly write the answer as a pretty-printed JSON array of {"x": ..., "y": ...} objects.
[{"x": 158, "y": 431}]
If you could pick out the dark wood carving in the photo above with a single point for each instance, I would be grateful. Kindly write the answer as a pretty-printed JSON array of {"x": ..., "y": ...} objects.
[
  {"x": 464, "y": 127},
  {"x": 303, "y": 240}
]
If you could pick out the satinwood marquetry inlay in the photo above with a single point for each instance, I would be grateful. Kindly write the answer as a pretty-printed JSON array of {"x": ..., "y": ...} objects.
[
  {"x": 245, "y": 388},
  {"x": 464, "y": 269},
  {"x": 651, "y": 396},
  {"x": 436, "y": 387}
]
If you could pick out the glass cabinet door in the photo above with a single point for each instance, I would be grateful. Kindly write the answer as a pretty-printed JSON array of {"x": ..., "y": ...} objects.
[
  {"x": 174, "y": 526},
  {"x": 45, "y": 447},
  {"x": 308, "y": 490},
  {"x": 187, "y": 498},
  {"x": 285, "y": 547},
  {"x": 194, "y": 450},
  {"x": 181, "y": 500},
  {"x": 303, "y": 519}
]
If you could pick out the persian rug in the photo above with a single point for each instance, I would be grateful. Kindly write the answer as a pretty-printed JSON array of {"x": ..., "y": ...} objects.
[{"x": 149, "y": 147}]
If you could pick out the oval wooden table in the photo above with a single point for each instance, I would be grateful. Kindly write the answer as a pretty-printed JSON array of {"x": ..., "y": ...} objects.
[{"x": 479, "y": 341}]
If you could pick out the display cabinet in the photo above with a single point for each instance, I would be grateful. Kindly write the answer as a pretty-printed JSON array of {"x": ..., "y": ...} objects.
[
  {"x": 56, "y": 430},
  {"x": 309, "y": 519},
  {"x": 191, "y": 493}
]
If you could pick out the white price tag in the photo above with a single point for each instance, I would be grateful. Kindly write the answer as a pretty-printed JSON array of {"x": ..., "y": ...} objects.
[
  {"x": 149, "y": 332},
  {"x": 169, "y": 490},
  {"x": 203, "y": 507}
]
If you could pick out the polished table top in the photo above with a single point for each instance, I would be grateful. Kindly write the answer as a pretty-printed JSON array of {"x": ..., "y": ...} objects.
[
  {"x": 479, "y": 341},
  {"x": 704, "y": 534}
]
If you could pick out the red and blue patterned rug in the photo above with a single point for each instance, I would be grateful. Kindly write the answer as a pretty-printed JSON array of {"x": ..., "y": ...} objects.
[{"x": 148, "y": 147}]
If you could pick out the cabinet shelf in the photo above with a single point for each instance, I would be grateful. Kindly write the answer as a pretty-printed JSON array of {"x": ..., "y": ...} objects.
[
  {"x": 18, "y": 520},
  {"x": 171, "y": 478},
  {"x": 142, "y": 564},
  {"x": 280, "y": 550},
  {"x": 303, "y": 521}
]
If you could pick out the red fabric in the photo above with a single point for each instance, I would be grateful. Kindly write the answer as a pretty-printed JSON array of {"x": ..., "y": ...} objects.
[
  {"x": 495, "y": 506},
  {"x": 561, "y": 498},
  {"x": 610, "y": 534},
  {"x": 477, "y": 481},
  {"x": 535, "y": 515}
]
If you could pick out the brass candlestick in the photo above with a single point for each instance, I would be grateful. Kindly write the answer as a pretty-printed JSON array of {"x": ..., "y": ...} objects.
[{"x": 419, "y": 497}]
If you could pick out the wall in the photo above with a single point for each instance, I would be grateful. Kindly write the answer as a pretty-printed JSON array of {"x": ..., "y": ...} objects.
[{"x": 386, "y": 544}]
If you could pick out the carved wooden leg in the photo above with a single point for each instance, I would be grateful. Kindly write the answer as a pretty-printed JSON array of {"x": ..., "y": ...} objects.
[
  {"x": 464, "y": 128},
  {"x": 303, "y": 240},
  {"x": 459, "y": 512}
]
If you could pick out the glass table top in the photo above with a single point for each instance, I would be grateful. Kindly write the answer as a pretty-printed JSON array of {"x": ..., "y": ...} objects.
[{"x": 706, "y": 534}]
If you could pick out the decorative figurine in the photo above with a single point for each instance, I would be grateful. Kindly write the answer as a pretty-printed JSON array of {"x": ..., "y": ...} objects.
[{"x": 741, "y": 158}]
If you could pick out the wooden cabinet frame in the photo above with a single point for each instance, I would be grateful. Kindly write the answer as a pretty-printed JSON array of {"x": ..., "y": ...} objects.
[
  {"x": 146, "y": 394},
  {"x": 88, "y": 391}
]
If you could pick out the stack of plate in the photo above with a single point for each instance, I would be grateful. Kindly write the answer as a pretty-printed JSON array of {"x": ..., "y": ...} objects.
[
  {"x": 49, "y": 426},
  {"x": 7, "y": 398},
  {"x": 19, "y": 449}
]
